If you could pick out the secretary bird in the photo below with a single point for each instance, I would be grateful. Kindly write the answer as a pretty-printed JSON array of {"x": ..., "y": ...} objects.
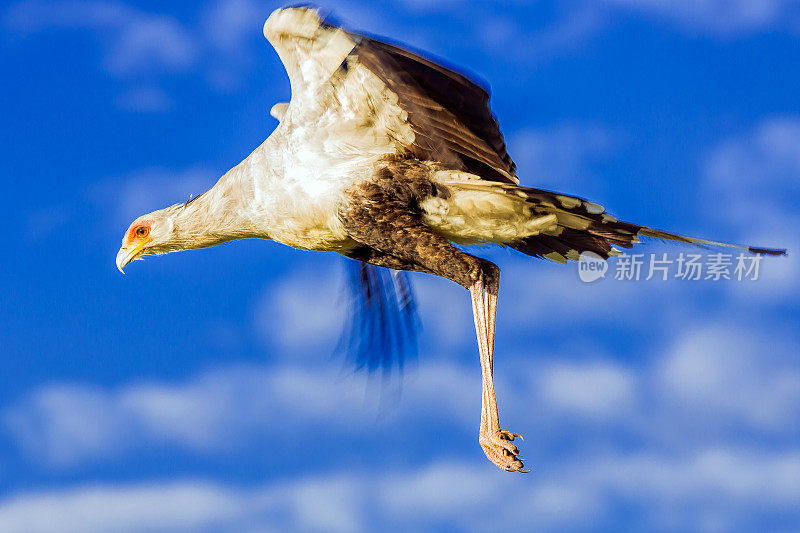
[{"x": 390, "y": 159}]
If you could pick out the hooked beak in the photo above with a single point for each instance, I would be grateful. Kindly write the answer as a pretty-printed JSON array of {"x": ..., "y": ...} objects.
[{"x": 127, "y": 254}]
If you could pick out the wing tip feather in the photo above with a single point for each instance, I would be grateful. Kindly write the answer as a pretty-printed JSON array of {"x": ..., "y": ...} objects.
[
  {"x": 301, "y": 21},
  {"x": 767, "y": 251}
]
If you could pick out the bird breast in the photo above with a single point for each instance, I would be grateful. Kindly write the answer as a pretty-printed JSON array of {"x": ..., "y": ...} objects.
[{"x": 299, "y": 178}]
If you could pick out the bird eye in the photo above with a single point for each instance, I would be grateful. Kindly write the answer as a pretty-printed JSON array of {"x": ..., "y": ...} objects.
[{"x": 142, "y": 231}]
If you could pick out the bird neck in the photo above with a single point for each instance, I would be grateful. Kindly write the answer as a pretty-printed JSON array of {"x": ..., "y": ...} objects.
[{"x": 214, "y": 217}]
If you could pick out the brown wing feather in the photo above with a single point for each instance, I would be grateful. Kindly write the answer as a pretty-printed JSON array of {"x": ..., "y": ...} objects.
[{"x": 448, "y": 112}]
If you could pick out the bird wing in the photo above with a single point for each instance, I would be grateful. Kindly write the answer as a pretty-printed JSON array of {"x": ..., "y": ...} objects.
[
  {"x": 310, "y": 50},
  {"x": 419, "y": 106}
]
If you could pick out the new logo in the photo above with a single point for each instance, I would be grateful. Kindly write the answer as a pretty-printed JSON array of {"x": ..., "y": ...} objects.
[{"x": 591, "y": 267}]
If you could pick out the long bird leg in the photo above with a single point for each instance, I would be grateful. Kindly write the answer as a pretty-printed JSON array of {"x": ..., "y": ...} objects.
[
  {"x": 496, "y": 443},
  {"x": 380, "y": 220},
  {"x": 492, "y": 291},
  {"x": 490, "y": 302}
]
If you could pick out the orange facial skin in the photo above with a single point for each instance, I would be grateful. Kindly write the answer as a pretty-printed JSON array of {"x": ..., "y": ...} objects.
[
  {"x": 136, "y": 239},
  {"x": 139, "y": 235}
]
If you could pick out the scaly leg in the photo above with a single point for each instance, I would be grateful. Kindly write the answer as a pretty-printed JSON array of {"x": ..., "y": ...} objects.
[
  {"x": 492, "y": 290},
  {"x": 496, "y": 443}
]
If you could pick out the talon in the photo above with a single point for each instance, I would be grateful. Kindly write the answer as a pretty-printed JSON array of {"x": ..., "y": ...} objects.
[
  {"x": 510, "y": 448},
  {"x": 508, "y": 435}
]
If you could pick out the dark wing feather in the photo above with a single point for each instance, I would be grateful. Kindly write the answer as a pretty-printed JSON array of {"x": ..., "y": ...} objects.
[
  {"x": 448, "y": 112},
  {"x": 382, "y": 320}
]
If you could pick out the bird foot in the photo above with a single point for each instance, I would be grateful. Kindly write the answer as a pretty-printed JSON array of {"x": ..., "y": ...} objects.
[{"x": 499, "y": 449}]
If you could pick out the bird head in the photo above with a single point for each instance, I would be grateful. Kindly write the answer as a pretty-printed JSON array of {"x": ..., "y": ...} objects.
[{"x": 147, "y": 235}]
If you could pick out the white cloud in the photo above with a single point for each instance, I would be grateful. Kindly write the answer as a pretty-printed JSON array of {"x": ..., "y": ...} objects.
[
  {"x": 719, "y": 17},
  {"x": 712, "y": 379},
  {"x": 468, "y": 498},
  {"x": 127, "y": 197},
  {"x": 759, "y": 170},
  {"x": 129, "y": 509},
  {"x": 439, "y": 490},
  {"x": 321, "y": 504},
  {"x": 666, "y": 491},
  {"x": 445, "y": 314},
  {"x": 560, "y": 157},
  {"x": 141, "y": 47},
  {"x": 512, "y": 36},
  {"x": 685, "y": 491},
  {"x": 34, "y": 15},
  {"x": 302, "y": 311},
  {"x": 229, "y": 24},
  {"x": 423, "y": 6},
  {"x": 150, "y": 43},
  {"x": 596, "y": 390},
  {"x": 232, "y": 31},
  {"x": 135, "y": 41},
  {"x": 704, "y": 479},
  {"x": 144, "y": 99},
  {"x": 219, "y": 40},
  {"x": 219, "y": 411},
  {"x": 753, "y": 184},
  {"x": 544, "y": 296},
  {"x": 728, "y": 376},
  {"x": 66, "y": 423},
  {"x": 578, "y": 22},
  {"x": 42, "y": 223},
  {"x": 515, "y": 30},
  {"x": 201, "y": 414}
]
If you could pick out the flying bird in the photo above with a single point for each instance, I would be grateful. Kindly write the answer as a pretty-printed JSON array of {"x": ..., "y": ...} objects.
[{"x": 391, "y": 159}]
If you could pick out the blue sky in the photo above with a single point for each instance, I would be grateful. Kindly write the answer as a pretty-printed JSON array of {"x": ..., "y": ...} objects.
[{"x": 199, "y": 392}]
